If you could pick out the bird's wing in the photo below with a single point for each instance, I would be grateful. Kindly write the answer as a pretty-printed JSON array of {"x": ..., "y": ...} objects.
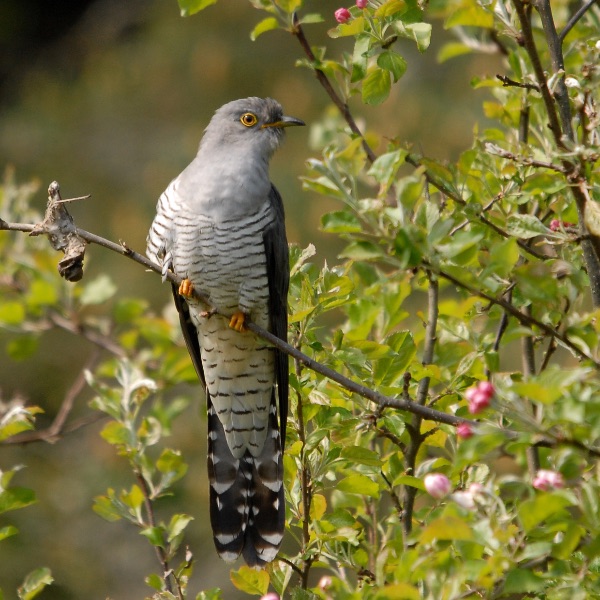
[
  {"x": 190, "y": 334},
  {"x": 278, "y": 275}
]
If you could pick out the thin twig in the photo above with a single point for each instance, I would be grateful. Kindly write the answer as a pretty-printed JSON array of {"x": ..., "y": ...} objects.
[
  {"x": 573, "y": 20},
  {"x": 59, "y": 427},
  {"x": 538, "y": 69},
  {"x": 326, "y": 84},
  {"x": 508, "y": 82},
  {"x": 343, "y": 381}
]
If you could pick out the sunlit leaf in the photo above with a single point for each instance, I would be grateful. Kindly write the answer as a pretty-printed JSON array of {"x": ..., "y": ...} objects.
[
  {"x": 16, "y": 497},
  {"x": 191, "y": 7},
  {"x": 359, "y": 484},
  {"x": 446, "y": 528},
  {"x": 98, "y": 290},
  {"x": 376, "y": 86},
  {"x": 34, "y": 583},
  {"x": 532, "y": 512},
  {"x": 250, "y": 580},
  {"x": 263, "y": 26}
]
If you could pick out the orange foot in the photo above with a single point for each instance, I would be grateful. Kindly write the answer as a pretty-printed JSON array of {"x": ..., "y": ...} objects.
[
  {"x": 238, "y": 322},
  {"x": 186, "y": 288}
]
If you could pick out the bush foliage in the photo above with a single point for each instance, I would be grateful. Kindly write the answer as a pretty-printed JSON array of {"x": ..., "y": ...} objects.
[{"x": 483, "y": 269}]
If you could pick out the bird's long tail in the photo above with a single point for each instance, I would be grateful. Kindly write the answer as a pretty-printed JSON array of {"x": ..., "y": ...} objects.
[{"x": 247, "y": 508}]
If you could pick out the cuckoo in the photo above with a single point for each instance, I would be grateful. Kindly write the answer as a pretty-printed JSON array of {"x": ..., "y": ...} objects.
[{"x": 220, "y": 226}]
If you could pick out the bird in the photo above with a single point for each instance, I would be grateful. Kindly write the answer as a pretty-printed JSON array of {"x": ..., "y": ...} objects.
[{"x": 220, "y": 227}]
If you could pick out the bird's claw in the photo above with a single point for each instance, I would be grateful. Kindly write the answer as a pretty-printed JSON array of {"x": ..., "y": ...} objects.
[
  {"x": 238, "y": 321},
  {"x": 186, "y": 288}
]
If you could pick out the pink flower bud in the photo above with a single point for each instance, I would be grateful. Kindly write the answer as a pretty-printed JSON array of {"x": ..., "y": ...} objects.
[
  {"x": 342, "y": 15},
  {"x": 486, "y": 387},
  {"x": 325, "y": 582},
  {"x": 464, "y": 431},
  {"x": 464, "y": 499},
  {"x": 437, "y": 485},
  {"x": 556, "y": 225},
  {"x": 361, "y": 3},
  {"x": 270, "y": 596},
  {"x": 545, "y": 479},
  {"x": 479, "y": 397}
]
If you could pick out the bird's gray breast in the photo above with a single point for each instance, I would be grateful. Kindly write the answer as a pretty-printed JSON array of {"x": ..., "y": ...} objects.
[{"x": 225, "y": 257}]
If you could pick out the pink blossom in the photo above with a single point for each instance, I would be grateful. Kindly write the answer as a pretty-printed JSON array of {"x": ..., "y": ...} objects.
[
  {"x": 270, "y": 596},
  {"x": 325, "y": 582},
  {"x": 545, "y": 479},
  {"x": 479, "y": 396},
  {"x": 437, "y": 485},
  {"x": 468, "y": 498},
  {"x": 464, "y": 431},
  {"x": 361, "y": 3},
  {"x": 556, "y": 225},
  {"x": 342, "y": 15}
]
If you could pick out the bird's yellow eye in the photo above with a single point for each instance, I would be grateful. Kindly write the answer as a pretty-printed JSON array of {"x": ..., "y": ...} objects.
[{"x": 248, "y": 119}]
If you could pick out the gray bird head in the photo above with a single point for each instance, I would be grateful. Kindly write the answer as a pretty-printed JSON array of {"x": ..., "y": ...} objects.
[{"x": 255, "y": 124}]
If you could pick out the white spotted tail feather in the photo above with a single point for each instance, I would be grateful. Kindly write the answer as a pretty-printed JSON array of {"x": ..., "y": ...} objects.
[{"x": 220, "y": 225}]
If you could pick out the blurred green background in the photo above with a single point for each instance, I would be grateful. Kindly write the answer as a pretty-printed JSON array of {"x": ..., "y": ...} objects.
[{"x": 111, "y": 98}]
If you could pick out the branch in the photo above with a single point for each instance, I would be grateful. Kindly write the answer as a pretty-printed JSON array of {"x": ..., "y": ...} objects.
[
  {"x": 324, "y": 81},
  {"x": 534, "y": 57},
  {"x": 573, "y": 20},
  {"x": 401, "y": 404},
  {"x": 58, "y": 427},
  {"x": 523, "y": 318},
  {"x": 508, "y": 82},
  {"x": 524, "y": 160}
]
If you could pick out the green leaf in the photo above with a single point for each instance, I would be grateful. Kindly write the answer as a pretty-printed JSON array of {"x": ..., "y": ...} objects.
[
  {"x": 116, "y": 433},
  {"x": 522, "y": 581},
  {"x": 34, "y": 583},
  {"x": 154, "y": 535},
  {"x": 533, "y": 512},
  {"x": 351, "y": 28},
  {"x": 398, "y": 591},
  {"x": 361, "y": 456},
  {"x": 8, "y": 531},
  {"x": 446, "y": 528},
  {"x": 105, "y": 507},
  {"x": 470, "y": 15},
  {"x": 171, "y": 463},
  {"x": 376, "y": 86},
  {"x": 525, "y": 226},
  {"x": 390, "y": 7},
  {"x": 265, "y": 25},
  {"x": 393, "y": 62},
  {"x": 16, "y": 497},
  {"x": 176, "y": 525},
  {"x": 362, "y": 250},
  {"x": 191, "y": 7},
  {"x": 340, "y": 221},
  {"x": 359, "y": 484},
  {"x": 386, "y": 166},
  {"x": 250, "y": 581},
  {"x": 12, "y": 313},
  {"x": 289, "y": 6},
  {"x": 421, "y": 33},
  {"x": 98, "y": 290},
  {"x": 359, "y": 57}
]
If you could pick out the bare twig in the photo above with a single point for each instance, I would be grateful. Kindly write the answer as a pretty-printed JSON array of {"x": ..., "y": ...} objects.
[
  {"x": 508, "y": 82},
  {"x": 573, "y": 20},
  {"x": 524, "y": 160},
  {"x": 59, "y": 426}
]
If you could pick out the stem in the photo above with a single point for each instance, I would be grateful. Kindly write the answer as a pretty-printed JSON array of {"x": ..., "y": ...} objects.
[
  {"x": 538, "y": 69},
  {"x": 160, "y": 552},
  {"x": 357, "y": 388},
  {"x": 324, "y": 81}
]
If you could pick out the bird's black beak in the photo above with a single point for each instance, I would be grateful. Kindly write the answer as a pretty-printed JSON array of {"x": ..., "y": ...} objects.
[{"x": 285, "y": 122}]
